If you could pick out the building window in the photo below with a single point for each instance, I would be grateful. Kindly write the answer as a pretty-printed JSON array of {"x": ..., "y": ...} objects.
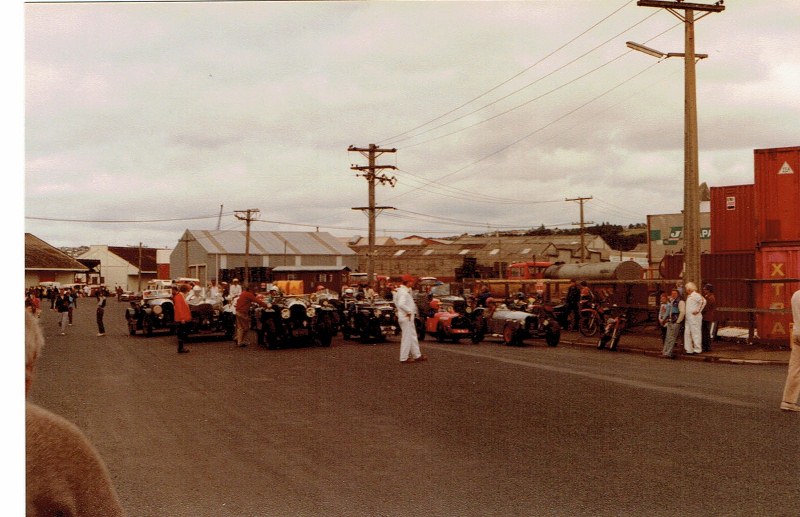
[
  {"x": 494, "y": 251},
  {"x": 399, "y": 252}
]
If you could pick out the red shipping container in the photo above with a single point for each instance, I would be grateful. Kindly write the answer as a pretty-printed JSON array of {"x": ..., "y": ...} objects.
[
  {"x": 728, "y": 273},
  {"x": 782, "y": 265},
  {"x": 777, "y": 189},
  {"x": 733, "y": 218}
]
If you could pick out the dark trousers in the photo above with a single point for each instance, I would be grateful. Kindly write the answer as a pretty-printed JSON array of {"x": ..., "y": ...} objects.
[
  {"x": 100, "y": 327},
  {"x": 575, "y": 310},
  {"x": 709, "y": 328},
  {"x": 182, "y": 332}
]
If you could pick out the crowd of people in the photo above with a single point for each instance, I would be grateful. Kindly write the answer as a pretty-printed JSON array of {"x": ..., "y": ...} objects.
[{"x": 689, "y": 314}]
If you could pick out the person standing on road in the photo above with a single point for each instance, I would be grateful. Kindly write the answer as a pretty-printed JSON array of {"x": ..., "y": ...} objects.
[
  {"x": 64, "y": 474},
  {"x": 791, "y": 390},
  {"x": 674, "y": 321},
  {"x": 62, "y": 308},
  {"x": 573, "y": 302},
  {"x": 664, "y": 312},
  {"x": 71, "y": 307},
  {"x": 101, "y": 309},
  {"x": 693, "y": 335},
  {"x": 709, "y": 317},
  {"x": 406, "y": 311},
  {"x": 243, "y": 323},
  {"x": 183, "y": 316}
]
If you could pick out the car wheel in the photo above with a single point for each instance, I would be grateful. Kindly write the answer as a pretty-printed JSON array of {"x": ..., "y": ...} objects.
[
  {"x": 477, "y": 337},
  {"x": 440, "y": 334},
  {"x": 509, "y": 335},
  {"x": 132, "y": 329},
  {"x": 552, "y": 336}
]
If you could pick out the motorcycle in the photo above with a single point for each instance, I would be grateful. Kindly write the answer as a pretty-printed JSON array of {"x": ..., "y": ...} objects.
[
  {"x": 592, "y": 319},
  {"x": 612, "y": 330}
]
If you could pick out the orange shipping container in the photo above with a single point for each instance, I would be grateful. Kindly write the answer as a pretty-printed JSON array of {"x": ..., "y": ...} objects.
[
  {"x": 733, "y": 218},
  {"x": 777, "y": 189},
  {"x": 781, "y": 265}
]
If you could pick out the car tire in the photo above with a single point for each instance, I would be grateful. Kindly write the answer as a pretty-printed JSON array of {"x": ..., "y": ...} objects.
[
  {"x": 440, "y": 334},
  {"x": 509, "y": 335},
  {"x": 552, "y": 336}
]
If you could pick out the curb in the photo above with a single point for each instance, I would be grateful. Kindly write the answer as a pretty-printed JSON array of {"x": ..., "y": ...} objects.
[{"x": 700, "y": 358}]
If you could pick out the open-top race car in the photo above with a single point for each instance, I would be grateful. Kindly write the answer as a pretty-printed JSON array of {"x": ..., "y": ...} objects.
[
  {"x": 515, "y": 326},
  {"x": 295, "y": 321},
  {"x": 447, "y": 319},
  {"x": 369, "y": 320},
  {"x": 155, "y": 311},
  {"x": 210, "y": 315}
]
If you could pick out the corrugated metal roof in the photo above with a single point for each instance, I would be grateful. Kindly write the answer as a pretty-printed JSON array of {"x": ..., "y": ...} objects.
[
  {"x": 270, "y": 243},
  {"x": 290, "y": 269},
  {"x": 40, "y": 255}
]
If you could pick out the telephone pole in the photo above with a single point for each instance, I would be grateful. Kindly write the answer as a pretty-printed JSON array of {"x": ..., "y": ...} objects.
[
  {"x": 582, "y": 224},
  {"x": 691, "y": 176},
  {"x": 247, "y": 215},
  {"x": 369, "y": 172}
]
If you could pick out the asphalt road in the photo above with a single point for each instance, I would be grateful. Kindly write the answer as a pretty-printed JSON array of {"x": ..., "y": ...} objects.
[{"x": 478, "y": 430}]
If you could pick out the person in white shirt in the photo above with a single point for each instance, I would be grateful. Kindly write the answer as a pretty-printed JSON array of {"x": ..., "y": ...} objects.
[
  {"x": 791, "y": 391},
  {"x": 693, "y": 335},
  {"x": 406, "y": 311},
  {"x": 235, "y": 289}
]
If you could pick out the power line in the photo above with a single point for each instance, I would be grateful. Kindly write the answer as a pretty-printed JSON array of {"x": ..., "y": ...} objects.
[
  {"x": 541, "y": 128},
  {"x": 109, "y": 221},
  {"x": 510, "y": 78},
  {"x": 523, "y": 88}
]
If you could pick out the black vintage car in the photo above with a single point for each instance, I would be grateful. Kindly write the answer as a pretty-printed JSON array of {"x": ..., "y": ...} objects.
[
  {"x": 370, "y": 321},
  {"x": 294, "y": 321},
  {"x": 211, "y": 317},
  {"x": 155, "y": 311}
]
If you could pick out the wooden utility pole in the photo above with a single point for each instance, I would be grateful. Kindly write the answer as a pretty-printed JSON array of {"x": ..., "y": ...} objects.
[
  {"x": 691, "y": 175},
  {"x": 369, "y": 173},
  {"x": 247, "y": 215},
  {"x": 582, "y": 224},
  {"x": 139, "y": 287}
]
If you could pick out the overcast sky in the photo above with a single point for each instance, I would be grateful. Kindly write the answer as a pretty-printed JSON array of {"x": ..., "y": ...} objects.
[{"x": 157, "y": 114}]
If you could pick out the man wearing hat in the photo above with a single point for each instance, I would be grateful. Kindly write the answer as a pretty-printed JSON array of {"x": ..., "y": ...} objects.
[
  {"x": 709, "y": 317},
  {"x": 406, "y": 310}
]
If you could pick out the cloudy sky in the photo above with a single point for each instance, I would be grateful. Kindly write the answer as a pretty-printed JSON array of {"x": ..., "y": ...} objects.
[{"x": 144, "y": 119}]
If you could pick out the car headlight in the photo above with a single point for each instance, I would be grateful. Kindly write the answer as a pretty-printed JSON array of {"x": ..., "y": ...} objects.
[
  {"x": 310, "y": 312},
  {"x": 157, "y": 309},
  {"x": 377, "y": 313},
  {"x": 325, "y": 303},
  {"x": 285, "y": 313},
  {"x": 468, "y": 310}
]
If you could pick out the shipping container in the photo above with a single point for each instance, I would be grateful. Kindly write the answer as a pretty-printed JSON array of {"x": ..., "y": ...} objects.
[
  {"x": 733, "y": 218},
  {"x": 777, "y": 272},
  {"x": 777, "y": 193},
  {"x": 665, "y": 233},
  {"x": 730, "y": 274}
]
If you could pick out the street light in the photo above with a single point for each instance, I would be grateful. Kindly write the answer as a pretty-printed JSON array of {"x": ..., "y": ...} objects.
[
  {"x": 691, "y": 176},
  {"x": 691, "y": 179}
]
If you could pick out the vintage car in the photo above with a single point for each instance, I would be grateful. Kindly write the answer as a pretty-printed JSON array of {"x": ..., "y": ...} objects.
[
  {"x": 447, "y": 319},
  {"x": 129, "y": 296},
  {"x": 515, "y": 326},
  {"x": 211, "y": 316},
  {"x": 294, "y": 321},
  {"x": 155, "y": 311},
  {"x": 369, "y": 320}
]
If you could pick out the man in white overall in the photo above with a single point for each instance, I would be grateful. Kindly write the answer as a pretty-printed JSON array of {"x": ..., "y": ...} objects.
[
  {"x": 693, "y": 335},
  {"x": 406, "y": 310}
]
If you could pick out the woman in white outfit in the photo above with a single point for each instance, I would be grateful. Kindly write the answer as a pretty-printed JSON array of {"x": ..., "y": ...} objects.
[{"x": 693, "y": 335}]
